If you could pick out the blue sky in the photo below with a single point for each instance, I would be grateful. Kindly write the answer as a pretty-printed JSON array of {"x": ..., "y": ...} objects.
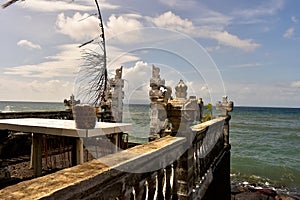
[{"x": 248, "y": 50}]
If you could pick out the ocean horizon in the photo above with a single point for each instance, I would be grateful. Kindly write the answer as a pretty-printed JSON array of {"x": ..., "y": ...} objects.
[
  {"x": 265, "y": 141},
  {"x": 144, "y": 104}
]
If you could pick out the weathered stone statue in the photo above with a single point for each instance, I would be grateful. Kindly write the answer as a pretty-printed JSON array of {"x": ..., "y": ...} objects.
[
  {"x": 112, "y": 108},
  {"x": 181, "y": 90}
]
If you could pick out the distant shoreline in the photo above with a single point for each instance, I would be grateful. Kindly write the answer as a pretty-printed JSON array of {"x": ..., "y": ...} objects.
[{"x": 143, "y": 104}]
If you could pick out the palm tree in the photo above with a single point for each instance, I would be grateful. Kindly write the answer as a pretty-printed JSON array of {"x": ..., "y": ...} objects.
[{"x": 92, "y": 80}]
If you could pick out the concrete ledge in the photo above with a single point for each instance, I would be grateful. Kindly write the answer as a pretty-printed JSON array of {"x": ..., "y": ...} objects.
[{"x": 202, "y": 126}]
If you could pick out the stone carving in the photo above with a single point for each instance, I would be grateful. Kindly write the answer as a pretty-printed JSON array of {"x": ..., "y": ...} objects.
[
  {"x": 112, "y": 108},
  {"x": 118, "y": 75},
  {"x": 181, "y": 90},
  {"x": 155, "y": 73},
  {"x": 167, "y": 93},
  {"x": 156, "y": 83},
  {"x": 72, "y": 102},
  {"x": 159, "y": 95},
  {"x": 224, "y": 107},
  {"x": 170, "y": 116}
]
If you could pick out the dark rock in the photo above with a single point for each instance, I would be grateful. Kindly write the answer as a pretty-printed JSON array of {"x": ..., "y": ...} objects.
[
  {"x": 235, "y": 190},
  {"x": 282, "y": 197},
  {"x": 252, "y": 196},
  {"x": 268, "y": 192}
]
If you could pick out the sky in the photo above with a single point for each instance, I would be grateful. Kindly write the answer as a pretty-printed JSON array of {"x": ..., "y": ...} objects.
[{"x": 247, "y": 50}]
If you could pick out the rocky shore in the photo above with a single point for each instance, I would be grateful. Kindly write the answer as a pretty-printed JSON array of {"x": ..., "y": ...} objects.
[{"x": 261, "y": 191}]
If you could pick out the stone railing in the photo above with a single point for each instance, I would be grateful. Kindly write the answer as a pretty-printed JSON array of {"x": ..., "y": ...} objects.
[{"x": 191, "y": 167}]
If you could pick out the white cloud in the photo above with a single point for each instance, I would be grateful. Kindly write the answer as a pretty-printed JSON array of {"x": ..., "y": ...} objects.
[
  {"x": 137, "y": 80},
  {"x": 289, "y": 33},
  {"x": 63, "y": 64},
  {"x": 264, "y": 8},
  {"x": 179, "y": 4},
  {"x": 228, "y": 39},
  {"x": 213, "y": 48},
  {"x": 118, "y": 26},
  {"x": 247, "y": 65},
  {"x": 116, "y": 57},
  {"x": 170, "y": 2},
  {"x": 213, "y": 18},
  {"x": 81, "y": 27},
  {"x": 294, "y": 19},
  {"x": 295, "y": 84},
  {"x": 171, "y": 21},
  {"x": 14, "y": 88},
  {"x": 28, "y": 44},
  {"x": 57, "y": 6},
  {"x": 174, "y": 22}
]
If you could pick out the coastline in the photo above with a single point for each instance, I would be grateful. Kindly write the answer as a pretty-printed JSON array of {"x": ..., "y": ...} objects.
[{"x": 247, "y": 188}]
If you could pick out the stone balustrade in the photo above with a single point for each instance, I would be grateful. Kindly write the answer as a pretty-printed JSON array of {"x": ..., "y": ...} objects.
[{"x": 194, "y": 166}]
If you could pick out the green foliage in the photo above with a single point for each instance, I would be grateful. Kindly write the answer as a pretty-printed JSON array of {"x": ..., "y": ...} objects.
[{"x": 208, "y": 112}]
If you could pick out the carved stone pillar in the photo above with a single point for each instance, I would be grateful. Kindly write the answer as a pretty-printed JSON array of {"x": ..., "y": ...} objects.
[
  {"x": 157, "y": 105},
  {"x": 225, "y": 107}
]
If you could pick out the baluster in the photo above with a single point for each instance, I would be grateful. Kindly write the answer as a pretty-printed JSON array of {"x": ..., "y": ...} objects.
[
  {"x": 140, "y": 190},
  {"x": 151, "y": 179},
  {"x": 127, "y": 193},
  {"x": 197, "y": 163},
  {"x": 175, "y": 186},
  {"x": 160, "y": 180},
  {"x": 168, "y": 173},
  {"x": 132, "y": 194}
]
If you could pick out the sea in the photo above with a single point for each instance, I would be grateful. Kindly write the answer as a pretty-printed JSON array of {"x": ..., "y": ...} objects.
[{"x": 265, "y": 141}]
